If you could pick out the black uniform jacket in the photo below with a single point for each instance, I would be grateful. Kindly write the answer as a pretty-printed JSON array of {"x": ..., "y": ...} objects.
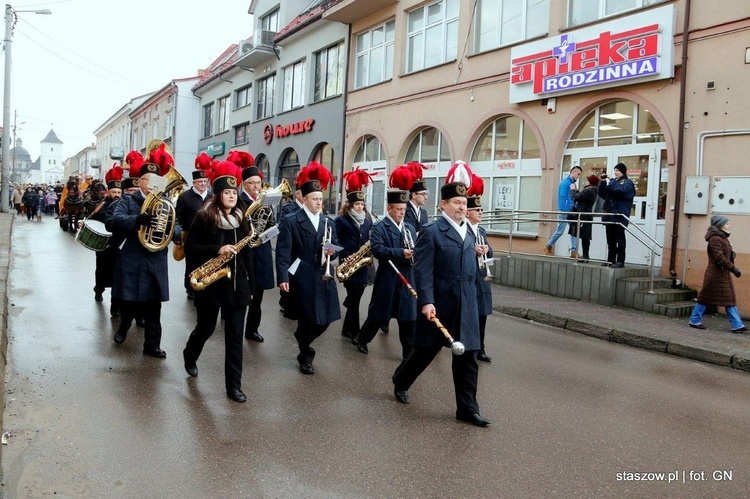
[
  {"x": 351, "y": 237},
  {"x": 390, "y": 298},
  {"x": 411, "y": 218},
  {"x": 445, "y": 273},
  {"x": 484, "y": 288},
  {"x": 311, "y": 298},
  {"x": 203, "y": 243},
  {"x": 188, "y": 205}
]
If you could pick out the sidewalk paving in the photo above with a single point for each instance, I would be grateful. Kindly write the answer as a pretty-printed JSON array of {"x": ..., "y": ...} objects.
[{"x": 715, "y": 345}]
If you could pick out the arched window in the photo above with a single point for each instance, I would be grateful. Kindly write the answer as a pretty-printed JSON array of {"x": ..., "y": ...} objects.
[
  {"x": 369, "y": 150},
  {"x": 261, "y": 162},
  {"x": 507, "y": 157},
  {"x": 428, "y": 147},
  {"x": 325, "y": 155},
  {"x": 616, "y": 123},
  {"x": 370, "y": 156},
  {"x": 289, "y": 166}
]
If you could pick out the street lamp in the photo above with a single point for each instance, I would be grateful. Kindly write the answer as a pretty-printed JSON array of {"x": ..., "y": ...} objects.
[{"x": 10, "y": 18}]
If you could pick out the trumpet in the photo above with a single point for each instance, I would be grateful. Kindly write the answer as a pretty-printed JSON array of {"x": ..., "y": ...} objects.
[
  {"x": 324, "y": 258},
  {"x": 482, "y": 259},
  {"x": 409, "y": 244}
]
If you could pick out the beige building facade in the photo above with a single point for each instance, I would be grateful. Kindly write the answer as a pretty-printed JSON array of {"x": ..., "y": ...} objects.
[{"x": 523, "y": 90}]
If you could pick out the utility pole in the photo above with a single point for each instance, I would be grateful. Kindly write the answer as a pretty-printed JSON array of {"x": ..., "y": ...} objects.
[{"x": 4, "y": 193}]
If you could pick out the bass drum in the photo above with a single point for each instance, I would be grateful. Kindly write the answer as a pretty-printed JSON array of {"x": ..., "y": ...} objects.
[{"x": 93, "y": 235}]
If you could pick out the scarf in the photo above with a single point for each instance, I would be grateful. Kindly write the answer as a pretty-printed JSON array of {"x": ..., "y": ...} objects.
[
  {"x": 358, "y": 217},
  {"x": 229, "y": 222}
]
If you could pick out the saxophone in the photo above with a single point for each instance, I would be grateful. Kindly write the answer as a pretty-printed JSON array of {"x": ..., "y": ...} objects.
[
  {"x": 161, "y": 206},
  {"x": 352, "y": 263},
  {"x": 217, "y": 268}
]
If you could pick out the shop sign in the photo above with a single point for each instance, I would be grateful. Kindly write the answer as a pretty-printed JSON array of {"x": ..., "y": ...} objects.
[
  {"x": 430, "y": 166},
  {"x": 214, "y": 149},
  {"x": 506, "y": 165},
  {"x": 637, "y": 47}
]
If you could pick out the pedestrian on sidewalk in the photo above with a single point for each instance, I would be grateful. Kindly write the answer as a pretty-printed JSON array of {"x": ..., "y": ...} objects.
[
  {"x": 718, "y": 288},
  {"x": 583, "y": 202},
  {"x": 29, "y": 201},
  {"x": 565, "y": 192},
  {"x": 618, "y": 197}
]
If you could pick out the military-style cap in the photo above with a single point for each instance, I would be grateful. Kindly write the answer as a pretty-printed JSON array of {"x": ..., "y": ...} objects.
[
  {"x": 452, "y": 190},
  {"x": 396, "y": 197}
]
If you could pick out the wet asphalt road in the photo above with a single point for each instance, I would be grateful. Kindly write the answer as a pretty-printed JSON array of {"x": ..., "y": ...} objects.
[{"x": 87, "y": 417}]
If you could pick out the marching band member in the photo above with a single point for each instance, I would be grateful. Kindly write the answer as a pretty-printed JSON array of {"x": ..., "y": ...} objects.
[
  {"x": 105, "y": 260},
  {"x": 141, "y": 280},
  {"x": 416, "y": 216},
  {"x": 289, "y": 208},
  {"x": 216, "y": 231},
  {"x": 303, "y": 265},
  {"x": 353, "y": 226},
  {"x": 190, "y": 201},
  {"x": 252, "y": 182},
  {"x": 483, "y": 250},
  {"x": 445, "y": 270},
  {"x": 392, "y": 240}
]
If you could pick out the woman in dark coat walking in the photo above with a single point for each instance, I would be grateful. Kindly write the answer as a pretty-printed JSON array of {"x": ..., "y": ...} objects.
[
  {"x": 718, "y": 288},
  {"x": 583, "y": 202}
]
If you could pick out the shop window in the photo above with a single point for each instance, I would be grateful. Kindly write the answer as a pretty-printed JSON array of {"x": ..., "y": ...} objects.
[
  {"x": 374, "y": 57},
  {"x": 616, "y": 123},
  {"x": 432, "y": 36},
  {"x": 262, "y": 163},
  {"x": 502, "y": 22},
  {"x": 585, "y": 11},
  {"x": 369, "y": 149},
  {"x": 370, "y": 156},
  {"x": 428, "y": 147},
  {"x": 294, "y": 86},
  {"x": 329, "y": 72},
  {"x": 325, "y": 155}
]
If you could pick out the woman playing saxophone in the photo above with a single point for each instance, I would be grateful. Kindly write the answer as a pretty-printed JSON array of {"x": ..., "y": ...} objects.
[{"x": 216, "y": 230}]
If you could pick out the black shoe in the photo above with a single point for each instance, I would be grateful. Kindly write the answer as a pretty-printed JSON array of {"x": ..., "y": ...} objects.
[
  {"x": 474, "y": 419},
  {"x": 355, "y": 339},
  {"x": 306, "y": 367},
  {"x": 484, "y": 357},
  {"x": 255, "y": 337},
  {"x": 617, "y": 265},
  {"x": 120, "y": 337},
  {"x": 98, "y": 297},
  {"x": 606, "y": 264},
  {"x": 386, "y": 329},
  {"x": 236, "y": 395},
  {"x": 362, "y": 348},
  {"x": 114, "y": 311},
  {"x": 401, "y": 395},
  {"x": 191, "y": 368},
  {"x": 697, "y": 326},
  {"x": 156, "y": 352},
  {"x": 346, "y": 334},
  {"x": 140, "y": 322},
  {"x": 190, "y": 295},
  {"x": 740, "y": 329}
]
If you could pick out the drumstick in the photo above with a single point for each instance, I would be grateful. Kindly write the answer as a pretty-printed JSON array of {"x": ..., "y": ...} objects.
[
  {"x": 403, "y": 280},
  {"x": 457, "y": 347}
]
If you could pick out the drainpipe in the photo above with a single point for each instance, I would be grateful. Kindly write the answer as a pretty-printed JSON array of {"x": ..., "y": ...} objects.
[
  {"x": 680, "y": 140},
  {"x": 343, "y": 118}
]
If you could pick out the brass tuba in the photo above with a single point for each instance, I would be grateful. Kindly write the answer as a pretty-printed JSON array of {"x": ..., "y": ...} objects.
[
  {"x": 259, "y": 214},
  {"x": 352, "y": 263},
  {"x": 160, "y": 205}
]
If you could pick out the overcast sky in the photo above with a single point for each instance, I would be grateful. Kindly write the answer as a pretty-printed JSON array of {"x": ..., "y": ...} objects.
[{"x": 75, "y": 68}]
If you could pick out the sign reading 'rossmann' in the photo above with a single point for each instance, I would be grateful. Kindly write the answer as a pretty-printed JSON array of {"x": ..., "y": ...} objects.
[{"x": 614, "y": 53}]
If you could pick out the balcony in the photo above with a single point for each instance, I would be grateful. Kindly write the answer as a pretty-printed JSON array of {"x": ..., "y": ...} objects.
[
  {"x": 257, "y": 51},
  {"x": 350, "y": 11}
]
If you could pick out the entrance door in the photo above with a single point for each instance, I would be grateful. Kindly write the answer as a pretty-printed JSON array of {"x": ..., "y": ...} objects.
[{"x": 642, "y": 165}]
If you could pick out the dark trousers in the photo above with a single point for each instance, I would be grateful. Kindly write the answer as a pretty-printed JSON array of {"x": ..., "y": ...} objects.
[
  {"x": 305, "y": 334},
  {"x": 586, "y": 243},
  {"x": 150, "y": 311},
  {"x": 615, "y": 243},
  {"x": 204, "y": 328},
  {"x": 465, "y": 371},
  {"x": 253, "y": 313},
  {"x": 405, "y": 334},
  {"x": 482, "y": 326},
  {"x": 353, "y": 298}
]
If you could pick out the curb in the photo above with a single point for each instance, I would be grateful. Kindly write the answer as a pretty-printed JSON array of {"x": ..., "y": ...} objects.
[{"x": 670, "y": 344}]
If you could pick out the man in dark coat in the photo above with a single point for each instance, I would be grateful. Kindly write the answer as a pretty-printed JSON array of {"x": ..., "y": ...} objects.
[
  {"x": 415, "y": 214},
  {"x": 445, "y": 271},
  {"x": 618, "y": 200},
  {"x": 106, "y": 259},
  {"x": 186, "y": 207},
  {"x": 141, "y": 280},
  {"x": 718, "y": 288},
  {"x": 390, "y": 297},
  {"x": 313, "y": 300},
  {"x": 252, "y": 181},
  {"x": 483, "y": 279}
]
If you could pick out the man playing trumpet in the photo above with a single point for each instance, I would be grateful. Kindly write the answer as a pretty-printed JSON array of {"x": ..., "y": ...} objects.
[{"x": 483, "y": 251}]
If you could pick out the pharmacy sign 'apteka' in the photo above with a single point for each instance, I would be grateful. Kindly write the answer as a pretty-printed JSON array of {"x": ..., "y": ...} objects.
[{"x": 631, "y": 49}]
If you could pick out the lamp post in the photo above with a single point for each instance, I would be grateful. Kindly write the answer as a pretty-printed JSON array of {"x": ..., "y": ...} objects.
[{"x": 10, "y": 17}]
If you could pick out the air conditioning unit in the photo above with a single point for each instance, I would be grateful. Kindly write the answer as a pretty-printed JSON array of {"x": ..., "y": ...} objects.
[
  {"x": 245, "y": 47},
  {"x": 263, "y": 38}
]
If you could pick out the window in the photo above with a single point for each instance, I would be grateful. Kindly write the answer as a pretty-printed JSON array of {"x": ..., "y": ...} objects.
[
  {"x": 262, "y": 163},
  {"x": 507, "y": 157},
  {"x": 329, "y": 72},
  {"x": 294, "y": 86},
  {"x": 270, "y": 22},
  {"x": 374, "y": 61},
  {"x": 502, "y": 22},
  {"x": 241, "y": 133},
  {"x": 168, "y": 124},
  {"x": 326, "y": 156},
  {"x": 223, "y": 118},
  {"x": 155, "y": 129},
  {"x": 585, "y": 11},
  {"x": 264, "y": 109},
  {"x": 428, "y": 147},
  {"x": 616, "y": 123},
  {"x": 432, "y": 33},
  {"x": 208, "y": 120},
  {"x": 242, "y": 97},
  {"x": 369, "y": 150}
]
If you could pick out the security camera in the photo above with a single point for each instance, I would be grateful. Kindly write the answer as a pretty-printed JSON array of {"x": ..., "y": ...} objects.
[{"x": 551, "y": 105}]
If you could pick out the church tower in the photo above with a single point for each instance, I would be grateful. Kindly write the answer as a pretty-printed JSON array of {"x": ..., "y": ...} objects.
[{"x": 50, "y": 159}]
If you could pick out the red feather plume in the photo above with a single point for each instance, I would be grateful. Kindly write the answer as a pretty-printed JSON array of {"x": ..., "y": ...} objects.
[
  {"x": 356, "y": 179},
  {"x": 316, "y": 171},
  {"x": 402, "y": 177},
  {"x": 224, "y": 168},
  {"x": 204, "y": 162},
  {"x": 114, "y": 173},
  {"x": 477, "y": 186},
  {"x": 302, "y": 176},
  {"x": 134, "y": 156},
  {"x": 243, "y": 159},
  {"x": 417, "y": 169}
]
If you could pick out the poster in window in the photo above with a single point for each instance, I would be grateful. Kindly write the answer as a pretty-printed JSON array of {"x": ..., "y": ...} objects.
[{"x": 504, "y": 195}]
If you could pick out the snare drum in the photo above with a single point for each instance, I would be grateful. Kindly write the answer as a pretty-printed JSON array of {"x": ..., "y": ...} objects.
[{"x": 93, "y": 235}]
